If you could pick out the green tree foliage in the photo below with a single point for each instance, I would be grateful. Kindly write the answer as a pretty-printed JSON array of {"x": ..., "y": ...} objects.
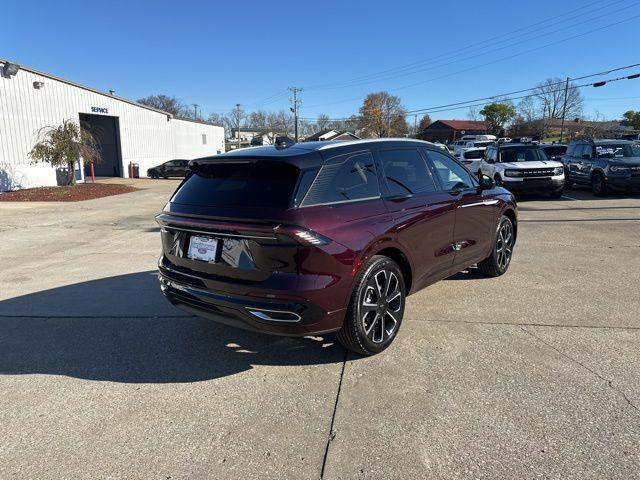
[
  {"x": 498, "y": 116},
  {"x": 632, "y": 119},
  {"x": 64, "y": 145},
  {"x": 425, "y": 121}
]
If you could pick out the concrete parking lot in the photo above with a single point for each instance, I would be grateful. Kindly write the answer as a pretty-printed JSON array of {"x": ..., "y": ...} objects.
[{"x": 530, "y": 375}]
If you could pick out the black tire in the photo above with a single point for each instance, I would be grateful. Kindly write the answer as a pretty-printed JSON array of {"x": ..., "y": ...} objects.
[
  {"x": 377, "y": 303},
  {"x": 599, "y": 185},
  {"x": 154, "y": 175},
  {"x": 498, "y": 262},
  {"x": 568, "y": 184}
]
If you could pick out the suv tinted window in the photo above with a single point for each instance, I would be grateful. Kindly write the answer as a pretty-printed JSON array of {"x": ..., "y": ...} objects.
[
  {"x": 584, "y": 149},
  {"x": 248, "y": 183},
  {"x": 452, "y": 176},
  {"x": 406, "y": 172},
  {"x": 344, "y": 178}
]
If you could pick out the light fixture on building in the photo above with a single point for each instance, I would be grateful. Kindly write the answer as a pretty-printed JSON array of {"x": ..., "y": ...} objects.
[
  {"x": 112, "y": 92},
  {"x": 38, "y": 85},
  {"x": 10, "y": 69}
]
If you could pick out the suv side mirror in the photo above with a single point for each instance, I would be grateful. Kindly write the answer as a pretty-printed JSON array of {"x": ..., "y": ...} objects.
[{"x": 486, "y": 182}]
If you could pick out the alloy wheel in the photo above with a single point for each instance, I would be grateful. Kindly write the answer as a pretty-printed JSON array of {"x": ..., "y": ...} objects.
[
  {"x": 380, "y": 306},
  {"x": 504, "y": 245}
]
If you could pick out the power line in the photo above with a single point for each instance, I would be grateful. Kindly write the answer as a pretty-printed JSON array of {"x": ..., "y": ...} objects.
[
  {"x": 628, "y": 19},
  {"x": 505, "y": 98},
  {"x": 496, "y": 96},
  {"x": 466, "y": 51}
]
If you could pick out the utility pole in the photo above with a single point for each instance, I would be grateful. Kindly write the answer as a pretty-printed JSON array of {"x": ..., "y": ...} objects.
[
  {"x": 238, "y": 115},
  {"x": 564, "y": 108},
  {"x": 415, "y": 125},
  {"x": 195, "y": 110},
  {"x": 295, "y": 105}
]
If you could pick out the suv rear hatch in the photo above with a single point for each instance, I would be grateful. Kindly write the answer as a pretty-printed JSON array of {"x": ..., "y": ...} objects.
[{"x": 230, "y": 219}]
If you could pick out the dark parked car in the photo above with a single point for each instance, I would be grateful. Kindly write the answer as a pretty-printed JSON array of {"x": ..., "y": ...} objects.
[
  {"x": 604, "y": 164},
  {"x": 554, "y": 151},
  {"x": 172, "y": 168},
  {"x": 321, "y": 237}
]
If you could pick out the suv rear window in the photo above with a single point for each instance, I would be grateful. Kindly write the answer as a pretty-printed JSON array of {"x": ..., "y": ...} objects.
[
  {"x": 344, "y": 178},
  {"x": 250, "y": 183}
]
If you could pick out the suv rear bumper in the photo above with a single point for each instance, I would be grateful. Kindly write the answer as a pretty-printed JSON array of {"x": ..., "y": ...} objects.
[
  {"x": 535, "y": 185},
  {"x": 278, "y": 317}
]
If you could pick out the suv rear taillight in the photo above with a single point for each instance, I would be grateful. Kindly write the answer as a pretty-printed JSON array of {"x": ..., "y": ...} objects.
[{"x": 302, "y": 235}]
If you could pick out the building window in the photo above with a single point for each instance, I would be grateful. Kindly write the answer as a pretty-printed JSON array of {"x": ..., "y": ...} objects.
[{"x": 204, "y": 139}]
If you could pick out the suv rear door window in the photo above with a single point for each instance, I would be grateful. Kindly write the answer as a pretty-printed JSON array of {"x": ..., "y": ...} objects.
[
  {"x": 246, "y": 183},
  {"x": 344, "y": 178},
  {"x": 406, "y": 172}
]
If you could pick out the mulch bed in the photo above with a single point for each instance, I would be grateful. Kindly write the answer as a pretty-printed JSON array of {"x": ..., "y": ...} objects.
[{"x": 76, "y": 193}]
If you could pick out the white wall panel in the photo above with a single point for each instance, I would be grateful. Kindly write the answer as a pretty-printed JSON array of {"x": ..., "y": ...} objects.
[{"x": 147, "y": 137}]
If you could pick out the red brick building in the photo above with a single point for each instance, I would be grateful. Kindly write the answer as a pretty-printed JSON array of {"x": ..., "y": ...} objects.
[{"x": 443, "y": 130}]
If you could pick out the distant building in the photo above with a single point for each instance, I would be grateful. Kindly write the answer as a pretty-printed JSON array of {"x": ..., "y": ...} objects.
[
  {"x": 263, "y": 138},
  {"x": 126, "y": 131},
  {"x": 451, "y": 130},
  {"x": 331, "y": 135}
]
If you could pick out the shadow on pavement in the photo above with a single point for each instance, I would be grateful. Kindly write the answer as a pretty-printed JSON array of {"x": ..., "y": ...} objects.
[{"x": 121, "y": 329}]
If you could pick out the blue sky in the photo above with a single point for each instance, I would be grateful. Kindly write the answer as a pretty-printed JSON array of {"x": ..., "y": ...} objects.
[{"x": 218, "y": 54}]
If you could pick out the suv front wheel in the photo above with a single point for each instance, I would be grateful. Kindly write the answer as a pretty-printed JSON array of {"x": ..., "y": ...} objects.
[
  {"x": 376, "y": 308},
  {"x": 498, "y": 262},
  {"x": 598, "y": 185}
]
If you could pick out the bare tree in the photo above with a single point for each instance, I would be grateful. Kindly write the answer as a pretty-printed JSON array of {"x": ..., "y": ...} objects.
[
  {"x": 323, "y": 122},
  {"x": 258, "y": 120},
  {"x": 172, "y": 105},
  {"x": 216, "y": 119},
  {"x": 285, "y": 122},
  {"x": 550, "y": 95},
  {"x": 473, "y": 114},
  {"x": 527, "y": 109}
]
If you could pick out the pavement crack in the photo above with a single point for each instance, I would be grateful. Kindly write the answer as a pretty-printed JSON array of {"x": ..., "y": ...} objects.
[
  {"x": 332, "y": 433},
  {"x": 608, "y": 382}
]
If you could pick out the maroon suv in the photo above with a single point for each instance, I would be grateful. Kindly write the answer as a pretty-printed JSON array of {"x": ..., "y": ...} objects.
[{"x": 324, "y": 237}]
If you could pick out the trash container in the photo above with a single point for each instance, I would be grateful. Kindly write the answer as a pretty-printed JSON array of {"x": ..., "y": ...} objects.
[{"x": 135, "y": 169}]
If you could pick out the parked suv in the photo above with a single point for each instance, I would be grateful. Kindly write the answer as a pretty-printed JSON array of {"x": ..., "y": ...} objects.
[
  {"x": 322, "y": 237},
  {"x": 604, "y": 164},
  {"x": 523, "y": 168},
  {"x": 172, "y": 168}
]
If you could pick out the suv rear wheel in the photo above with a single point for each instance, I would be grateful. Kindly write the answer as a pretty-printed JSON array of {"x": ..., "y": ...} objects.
[
  {"x": 376, "y": 308},
  {"x": 498, "y": 262}
]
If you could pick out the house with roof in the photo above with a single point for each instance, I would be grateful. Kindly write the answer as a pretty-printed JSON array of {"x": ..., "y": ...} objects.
[
  {"x": 452, "y": 130},
  {"x": 324, "y": 135}
]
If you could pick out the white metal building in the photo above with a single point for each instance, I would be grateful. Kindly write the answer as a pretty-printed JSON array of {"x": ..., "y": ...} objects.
[{"x": 127, "y": 131}]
